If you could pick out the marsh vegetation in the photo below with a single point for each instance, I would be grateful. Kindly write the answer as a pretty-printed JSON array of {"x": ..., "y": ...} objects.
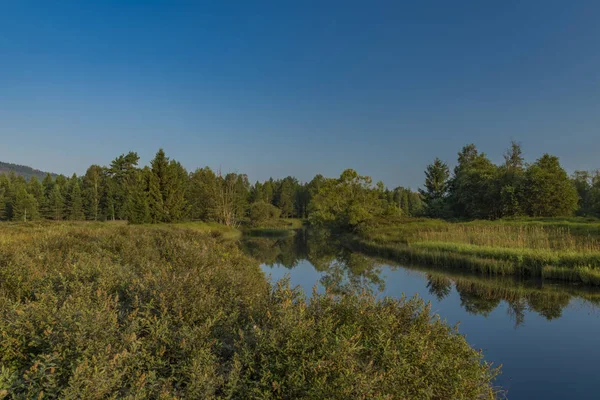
[
  {"x": 515, "y": 319},
  {"x": 101, "y": 310}
]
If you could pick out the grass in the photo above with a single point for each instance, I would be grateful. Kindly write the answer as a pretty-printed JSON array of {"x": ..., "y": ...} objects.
[
  {"x": 275, "y": 227},
  {"x": 563, "y": 249},
  {"x": 212, "y": 228},
  {"x": 96, "y": 311}
]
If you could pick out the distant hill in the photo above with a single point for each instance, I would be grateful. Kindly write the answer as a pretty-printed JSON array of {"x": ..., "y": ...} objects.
[{"x": 23, "y": 170}]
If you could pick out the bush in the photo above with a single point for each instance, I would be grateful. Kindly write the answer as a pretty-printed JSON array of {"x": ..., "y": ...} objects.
[
  {"x": 261, "y": 212},
  {"x": 98, "y": 311}
]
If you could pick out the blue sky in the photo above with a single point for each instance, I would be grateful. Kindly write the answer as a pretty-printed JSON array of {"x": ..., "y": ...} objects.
[{"x": 298, "y": 88}]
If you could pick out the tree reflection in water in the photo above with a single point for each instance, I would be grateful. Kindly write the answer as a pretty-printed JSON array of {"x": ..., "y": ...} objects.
[{"x": 344, "y": 271}]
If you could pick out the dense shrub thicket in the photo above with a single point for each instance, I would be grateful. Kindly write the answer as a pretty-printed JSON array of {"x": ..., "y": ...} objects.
[{"x": 101, "y": 311}]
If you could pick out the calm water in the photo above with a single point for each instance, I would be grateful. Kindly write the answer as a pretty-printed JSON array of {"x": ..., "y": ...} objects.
[{"x": 546, "y": 336}]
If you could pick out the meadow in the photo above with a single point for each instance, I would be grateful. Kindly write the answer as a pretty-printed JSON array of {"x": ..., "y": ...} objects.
[
  {"x": 102, "y": 310},
  {"x": 561, "y": 249}
]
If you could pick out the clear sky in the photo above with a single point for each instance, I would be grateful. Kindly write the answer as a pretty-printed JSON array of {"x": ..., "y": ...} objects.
[{"x": 298, "y": 88}]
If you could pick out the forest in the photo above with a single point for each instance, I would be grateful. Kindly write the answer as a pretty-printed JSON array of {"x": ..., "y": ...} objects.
[{"x": 165, "y": 191}]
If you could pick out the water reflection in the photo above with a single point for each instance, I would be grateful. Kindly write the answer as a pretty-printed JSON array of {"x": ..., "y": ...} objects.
[{"x": 344, "y": 271}]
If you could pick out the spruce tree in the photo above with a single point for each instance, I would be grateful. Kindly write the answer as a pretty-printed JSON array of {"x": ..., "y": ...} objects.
[
  {"x": 138, "y": 210},
  {"x": 404, "y": 203},
  {"x": 2, "y": 204},
  {"x": 155, "y": 200},
  {"x": 25, "y": 207},
  {"x": 175, "y": 202},
  {"x": 108, "y": 200},
  {"x": 56, "y": 204},
  {"x": 436, "y": 188},
  {"x": 4, "y": 197},
  {"x": 170, "y": 180},
  {"x": 202, "y": 194},
  {"x": 35, "y": 188},
  {"x": 75, "y": 200},
  {"x": 48, "y": 186},
  {"x": 92, "y": 191}
]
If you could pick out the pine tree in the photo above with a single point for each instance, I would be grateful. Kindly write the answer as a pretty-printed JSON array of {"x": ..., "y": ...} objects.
[
  {"x": 4, "y": 197},
  {"x": 284, "y": 198},
  {"x": 175, "y": 202},
  {"x": 170, "y": 180},
  {"x": 75, "y": 201},
  {"x": 35, "y": 188},
  {"x": 92, "y": 192},
  {"x": 25, "y": 207},
  {"x": 121, "y": 174},
  {"x": 436, "y": 187},
  {"x": 404, "y": 203},
  {"x": 108, "y": 200},
  {"x": 56, "y": 203},
  {"x": 202, "y": 194},
  {"x": 48, "y": 186},
  {"x": 2, "y": 204},
  {"x": 155, "y": 200},
  {"x": 138, "y": 210},
  {"x": 268, "y": 190}
]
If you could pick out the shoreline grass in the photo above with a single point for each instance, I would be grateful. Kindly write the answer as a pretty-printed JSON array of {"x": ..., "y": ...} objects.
[
  {"x": 550, "y": 249},
  {"x": 280, "y": 227}
]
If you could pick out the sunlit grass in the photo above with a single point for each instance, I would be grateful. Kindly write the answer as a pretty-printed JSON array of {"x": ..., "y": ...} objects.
[{"x": 567, "y": 249}]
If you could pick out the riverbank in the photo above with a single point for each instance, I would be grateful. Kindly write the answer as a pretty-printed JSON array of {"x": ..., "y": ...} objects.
[
  {"x": 555, "y": 249},
  {"x": 95, "y": 309},
  {"x": 274, "y": 228}
]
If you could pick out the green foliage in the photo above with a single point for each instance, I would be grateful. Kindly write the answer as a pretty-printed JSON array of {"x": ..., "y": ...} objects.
[
  {"x": 587, "y": 185},
  {"x": 479, "y": 189},
  {"x": 511, "y": 247},
  {"x": 168, "y": 188},
  {"x": 92, "y": 192},
  {"x": 110, "y": 311},
  {"x": 473, "y": 188},
  {"x": 56, "y": 204},
  {"x": 75, "y": 201},
  {"x": 436, "y": 188},
  {"x": 285, "y": 196},
  {"x": 138, "y": 208},
  {"x": 346, "y": 202},
  {"x": 548, "y": 190},
  {"x": 24, "y": 205},
  {"x": 351, "y": 272},
  {"x": 121, "y": 173},
  {"x": 261, "y": 212},
  {"x": 231, "y": 203},
  {"x": 202, "y": 195}
]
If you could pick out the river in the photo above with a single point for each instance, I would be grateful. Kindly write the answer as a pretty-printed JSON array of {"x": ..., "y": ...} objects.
[{"x": 546, "y": 336}]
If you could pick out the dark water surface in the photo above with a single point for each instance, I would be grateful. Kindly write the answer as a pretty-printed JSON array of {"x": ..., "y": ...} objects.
[{"x": 546, "y": 336}]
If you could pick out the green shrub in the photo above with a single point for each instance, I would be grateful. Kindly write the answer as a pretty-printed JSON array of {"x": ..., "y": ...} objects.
[
  {"x": 261, "y": 212},
  {"x": 99, "y": 311}
]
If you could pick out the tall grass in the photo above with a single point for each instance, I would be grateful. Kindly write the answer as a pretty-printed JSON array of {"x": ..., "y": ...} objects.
[
  {"x": 553, "y": 249},
  {"x": 100, "y": 311}
]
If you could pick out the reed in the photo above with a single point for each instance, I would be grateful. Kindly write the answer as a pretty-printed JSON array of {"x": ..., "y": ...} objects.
[{"x": 552, "y": 249}]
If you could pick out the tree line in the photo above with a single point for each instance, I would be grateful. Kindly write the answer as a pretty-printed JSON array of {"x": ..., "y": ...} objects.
[
  {"x": 480, "y": 189},
  {"x": 165, "y": 192}
]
